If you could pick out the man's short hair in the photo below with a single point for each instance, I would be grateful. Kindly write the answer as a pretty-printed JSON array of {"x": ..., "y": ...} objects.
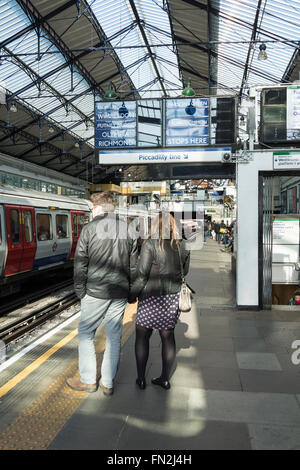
[{"x": 104, "y": 199}]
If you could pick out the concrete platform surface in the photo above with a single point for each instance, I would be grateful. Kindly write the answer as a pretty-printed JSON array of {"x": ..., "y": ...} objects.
[{"x": 235, "y": 383}]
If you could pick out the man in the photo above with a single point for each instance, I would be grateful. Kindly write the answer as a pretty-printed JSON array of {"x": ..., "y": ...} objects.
[{"x": 105, "y": 257}]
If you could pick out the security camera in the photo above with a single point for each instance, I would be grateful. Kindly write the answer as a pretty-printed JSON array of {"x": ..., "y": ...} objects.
[{"x": 226, "y": 157}]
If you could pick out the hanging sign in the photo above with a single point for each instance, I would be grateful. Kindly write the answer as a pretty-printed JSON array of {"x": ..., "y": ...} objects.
[
  {"x": 187, "y": 122},
  {"x": 293, "y": 113},
  {"x": 144, "y": 156},
  {"x": 115, "y": 124},
  {"x": 286, "y": 160}
]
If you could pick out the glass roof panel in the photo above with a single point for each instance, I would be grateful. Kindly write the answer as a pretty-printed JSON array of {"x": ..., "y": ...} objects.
[
  {"x": 276, "y": 25},
  {"x": 115, "y": 15},
  {"x": 57, "y": 85}
]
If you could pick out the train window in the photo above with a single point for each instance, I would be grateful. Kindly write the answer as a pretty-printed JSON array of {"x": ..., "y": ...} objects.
[
  {"x": 14, "y": 225},
  {"x": 75, "y": 225},
  {"x": 62, "y": 226},
  {"x": 28, "y": 226},
  {"x": 44, "y": 227},
  {"x": 0, "y": 233},
  {"x": 78, "y": 223}
]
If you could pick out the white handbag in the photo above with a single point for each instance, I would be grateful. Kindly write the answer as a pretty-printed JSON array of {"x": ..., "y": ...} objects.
[{"x": 185, "y": 294}]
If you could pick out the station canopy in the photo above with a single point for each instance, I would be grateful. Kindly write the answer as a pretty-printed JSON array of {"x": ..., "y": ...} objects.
[{"x": 57, "y": 57}]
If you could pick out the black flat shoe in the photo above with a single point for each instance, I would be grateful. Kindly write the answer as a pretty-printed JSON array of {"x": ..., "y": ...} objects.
[
  {"x": 163, "y": 383},
  {"x": 141, "y": 383}
]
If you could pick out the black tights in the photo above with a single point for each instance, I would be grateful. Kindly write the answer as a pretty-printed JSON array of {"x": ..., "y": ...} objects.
[{"x": 168, "y": 350}]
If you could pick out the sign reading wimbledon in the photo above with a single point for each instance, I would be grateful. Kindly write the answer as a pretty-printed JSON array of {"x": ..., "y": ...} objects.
[
  {"x": 187, "y": 122},
  {"x": 115, "y": 124}
]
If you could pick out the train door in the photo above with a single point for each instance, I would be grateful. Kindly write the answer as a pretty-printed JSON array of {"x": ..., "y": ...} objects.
[
  {"x": 77, "y": 218},
  {"x": 28, "y": 237},
  {"x": 62, "y": 235},
  {"x": 21, "y": 242},
  {"x": 3, "y": 246},
  {"x": 14, "y": 240}
]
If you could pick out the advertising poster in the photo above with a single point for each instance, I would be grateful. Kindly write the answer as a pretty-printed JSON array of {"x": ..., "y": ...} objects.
[
  {"x": 187, "y": 122},
  {"x": 293, "y": 113},
  {"x": 115, "y": 124}
]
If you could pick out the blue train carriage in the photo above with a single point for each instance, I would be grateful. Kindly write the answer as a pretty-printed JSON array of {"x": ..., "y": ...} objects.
[{"x": 38, "y": 232}]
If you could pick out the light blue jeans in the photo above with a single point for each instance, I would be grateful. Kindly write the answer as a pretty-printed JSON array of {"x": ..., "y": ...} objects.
[{"x": 93, "y": 311}]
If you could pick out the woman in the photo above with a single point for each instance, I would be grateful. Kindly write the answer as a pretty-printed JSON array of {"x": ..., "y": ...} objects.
[{"x": 157, "y": 287}]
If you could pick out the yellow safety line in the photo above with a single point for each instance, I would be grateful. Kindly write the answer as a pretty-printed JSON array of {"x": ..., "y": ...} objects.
[
  {"x": 34, "y": 365},
  {"x": 40, "y": 421}
]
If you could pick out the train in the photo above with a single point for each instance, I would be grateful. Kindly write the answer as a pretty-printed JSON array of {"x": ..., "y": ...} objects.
[{"x": 38, "y": 233}]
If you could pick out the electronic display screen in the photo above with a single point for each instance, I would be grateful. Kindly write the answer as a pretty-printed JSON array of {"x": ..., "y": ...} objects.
[
  {"x": 187, "y": 122},
  {"x": 293, "y": 113},
  {"x": 281, "y": 115},
  {"x": 115, "y": 124}
]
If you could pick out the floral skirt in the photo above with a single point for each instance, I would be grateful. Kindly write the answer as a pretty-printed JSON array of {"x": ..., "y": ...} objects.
[{"x": 158, "y": 312}]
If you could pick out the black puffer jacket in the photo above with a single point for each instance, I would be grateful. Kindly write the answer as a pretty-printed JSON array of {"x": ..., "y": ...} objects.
[
  {"x": 105, "y": 258},
  {"x": 158, "y": 271}
]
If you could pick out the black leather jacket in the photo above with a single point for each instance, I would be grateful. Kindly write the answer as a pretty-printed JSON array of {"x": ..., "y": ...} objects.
[
  {"x": 105, "y": 258},
  {"x": 158, "y": 272}
]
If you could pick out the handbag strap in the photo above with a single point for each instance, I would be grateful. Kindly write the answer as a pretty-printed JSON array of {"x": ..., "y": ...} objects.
[{"x": 181, "y": 265}]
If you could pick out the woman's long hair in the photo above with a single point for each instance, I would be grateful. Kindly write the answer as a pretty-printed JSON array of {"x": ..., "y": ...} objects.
[{"x": 163, "y": 227}]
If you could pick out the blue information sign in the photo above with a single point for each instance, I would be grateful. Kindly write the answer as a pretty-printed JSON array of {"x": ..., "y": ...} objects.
[
  {"x": 187, "y": 122},
  {"x": 115, "y": 124}
]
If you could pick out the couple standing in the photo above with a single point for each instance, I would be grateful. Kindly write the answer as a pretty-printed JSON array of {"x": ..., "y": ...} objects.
[{"x": 108, "y": 272}]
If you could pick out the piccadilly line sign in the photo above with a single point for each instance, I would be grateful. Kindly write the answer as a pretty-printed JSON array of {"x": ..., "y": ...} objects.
[{"x": 163, "y": 156}]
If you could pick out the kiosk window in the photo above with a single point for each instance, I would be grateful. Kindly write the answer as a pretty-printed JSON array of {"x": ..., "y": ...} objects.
[
  {"x": 28, "y": 226},
  {"x": 14, "y": 225},
  {"x": 44, "y": 227},
  {"x": 62, "y": 226}
]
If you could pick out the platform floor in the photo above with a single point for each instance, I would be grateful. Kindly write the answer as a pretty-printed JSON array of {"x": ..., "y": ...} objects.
[{"x": 234, "y": 385}]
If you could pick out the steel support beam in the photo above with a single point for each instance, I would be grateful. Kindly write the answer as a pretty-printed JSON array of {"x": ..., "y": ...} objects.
[
  {"x": 45, "y": 115},
  {"x": 250, "y": 48},
  {"x": 36, "y": 23},
  {"x": 145, "y": 39}
]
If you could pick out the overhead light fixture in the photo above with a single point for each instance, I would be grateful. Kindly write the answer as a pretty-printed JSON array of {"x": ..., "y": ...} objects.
[
  {"x": 123, "y": 111},
  {"x": 190, "y": 109},
  {"x": 51, "y": 129},
  {"x": 111, "y": 92},
  {"x": 77, "y": 145},
  {"x": 13, "y": 108},
  {"x": 188, "y": 91},
  {"x": 262, "y": 55}
]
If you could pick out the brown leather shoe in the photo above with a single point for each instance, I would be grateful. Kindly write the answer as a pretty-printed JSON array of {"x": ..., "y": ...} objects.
[
  {"x": 107, "y": 391},
  {"x": 75, "y": 384}
]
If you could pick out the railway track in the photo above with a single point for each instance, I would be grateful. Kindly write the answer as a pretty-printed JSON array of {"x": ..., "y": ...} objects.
[
  {"x": 19, "y": 328},
  {"x": 10, "y": 306}
]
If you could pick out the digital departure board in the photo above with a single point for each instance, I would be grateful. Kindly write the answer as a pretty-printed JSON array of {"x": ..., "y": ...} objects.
[
  {"x": 280, "y": 115},
  {"x": 187, "y": 122},
  {"x": 165, "y": 123},
  {"x": 115, "y": 124}
]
